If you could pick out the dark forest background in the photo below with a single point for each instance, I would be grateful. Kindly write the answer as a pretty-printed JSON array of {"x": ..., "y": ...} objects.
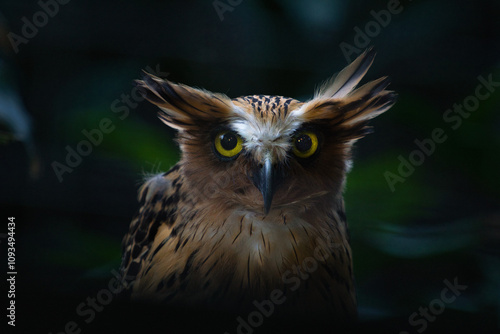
[{"x": 78, "y": 66}]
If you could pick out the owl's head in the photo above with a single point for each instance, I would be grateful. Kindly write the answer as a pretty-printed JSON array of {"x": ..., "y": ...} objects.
[{"x": 263, "y": 153}]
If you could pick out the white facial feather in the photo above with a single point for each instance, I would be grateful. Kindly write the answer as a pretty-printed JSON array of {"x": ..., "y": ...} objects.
[{"x": 265, "y": 136}]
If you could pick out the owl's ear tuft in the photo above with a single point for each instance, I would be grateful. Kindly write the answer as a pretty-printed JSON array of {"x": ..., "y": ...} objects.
[
  {"x": 183, "y": 107},
  {"x": 344, "y": 108},
  {"x": 345, "y": 81}
]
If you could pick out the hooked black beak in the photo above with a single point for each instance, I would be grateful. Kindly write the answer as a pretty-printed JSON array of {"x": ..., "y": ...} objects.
[{"x": 266, "y": 178}]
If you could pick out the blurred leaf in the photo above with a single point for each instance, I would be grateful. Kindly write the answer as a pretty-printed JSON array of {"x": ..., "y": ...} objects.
[
  {"x": 422, "y": 241},
  {"x": 369, "y": 198},
  {"x": 74, "y": 247},
  {"x": 131, "y": 139}
]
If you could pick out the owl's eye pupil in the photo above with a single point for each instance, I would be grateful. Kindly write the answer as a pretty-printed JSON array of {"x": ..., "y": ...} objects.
[
  {"x": 303, "y": 143},
  {"x": 228, "y": 141}
]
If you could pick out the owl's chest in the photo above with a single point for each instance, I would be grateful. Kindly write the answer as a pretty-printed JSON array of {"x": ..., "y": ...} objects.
[
  {"x": 255, "y": 251},
  {"x": 255, "y": 256},
  {"x": 243, "y": 258}
]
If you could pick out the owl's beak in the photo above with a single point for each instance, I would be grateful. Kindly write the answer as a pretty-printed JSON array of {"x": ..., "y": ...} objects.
[{"x": 266, "y": 178}]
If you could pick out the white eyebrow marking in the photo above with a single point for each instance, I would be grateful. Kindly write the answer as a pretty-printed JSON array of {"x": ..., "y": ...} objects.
[{"x": 265, "y": 134}]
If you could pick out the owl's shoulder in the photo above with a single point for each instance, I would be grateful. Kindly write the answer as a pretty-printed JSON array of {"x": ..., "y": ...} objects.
[
  {"x": 159, "y": 186},
  {"x": 158, "y": 198}
]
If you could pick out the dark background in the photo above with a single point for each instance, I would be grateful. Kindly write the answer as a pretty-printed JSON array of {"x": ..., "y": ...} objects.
[{"x": 441, "y": 223}]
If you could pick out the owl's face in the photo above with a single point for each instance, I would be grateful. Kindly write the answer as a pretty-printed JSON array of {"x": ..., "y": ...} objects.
[{"x": 263, "y": 153}]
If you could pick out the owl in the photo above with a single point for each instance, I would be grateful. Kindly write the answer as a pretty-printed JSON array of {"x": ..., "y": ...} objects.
[{"x": 252, "y": 216}]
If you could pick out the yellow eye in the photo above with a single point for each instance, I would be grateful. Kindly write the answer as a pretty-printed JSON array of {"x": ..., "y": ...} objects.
[
  {"x": 305, "y": 144},
  {"x": 228, "y": 144}
]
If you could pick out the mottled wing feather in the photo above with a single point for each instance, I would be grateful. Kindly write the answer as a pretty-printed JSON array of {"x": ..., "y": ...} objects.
[{"x": 158, "y": 206}]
